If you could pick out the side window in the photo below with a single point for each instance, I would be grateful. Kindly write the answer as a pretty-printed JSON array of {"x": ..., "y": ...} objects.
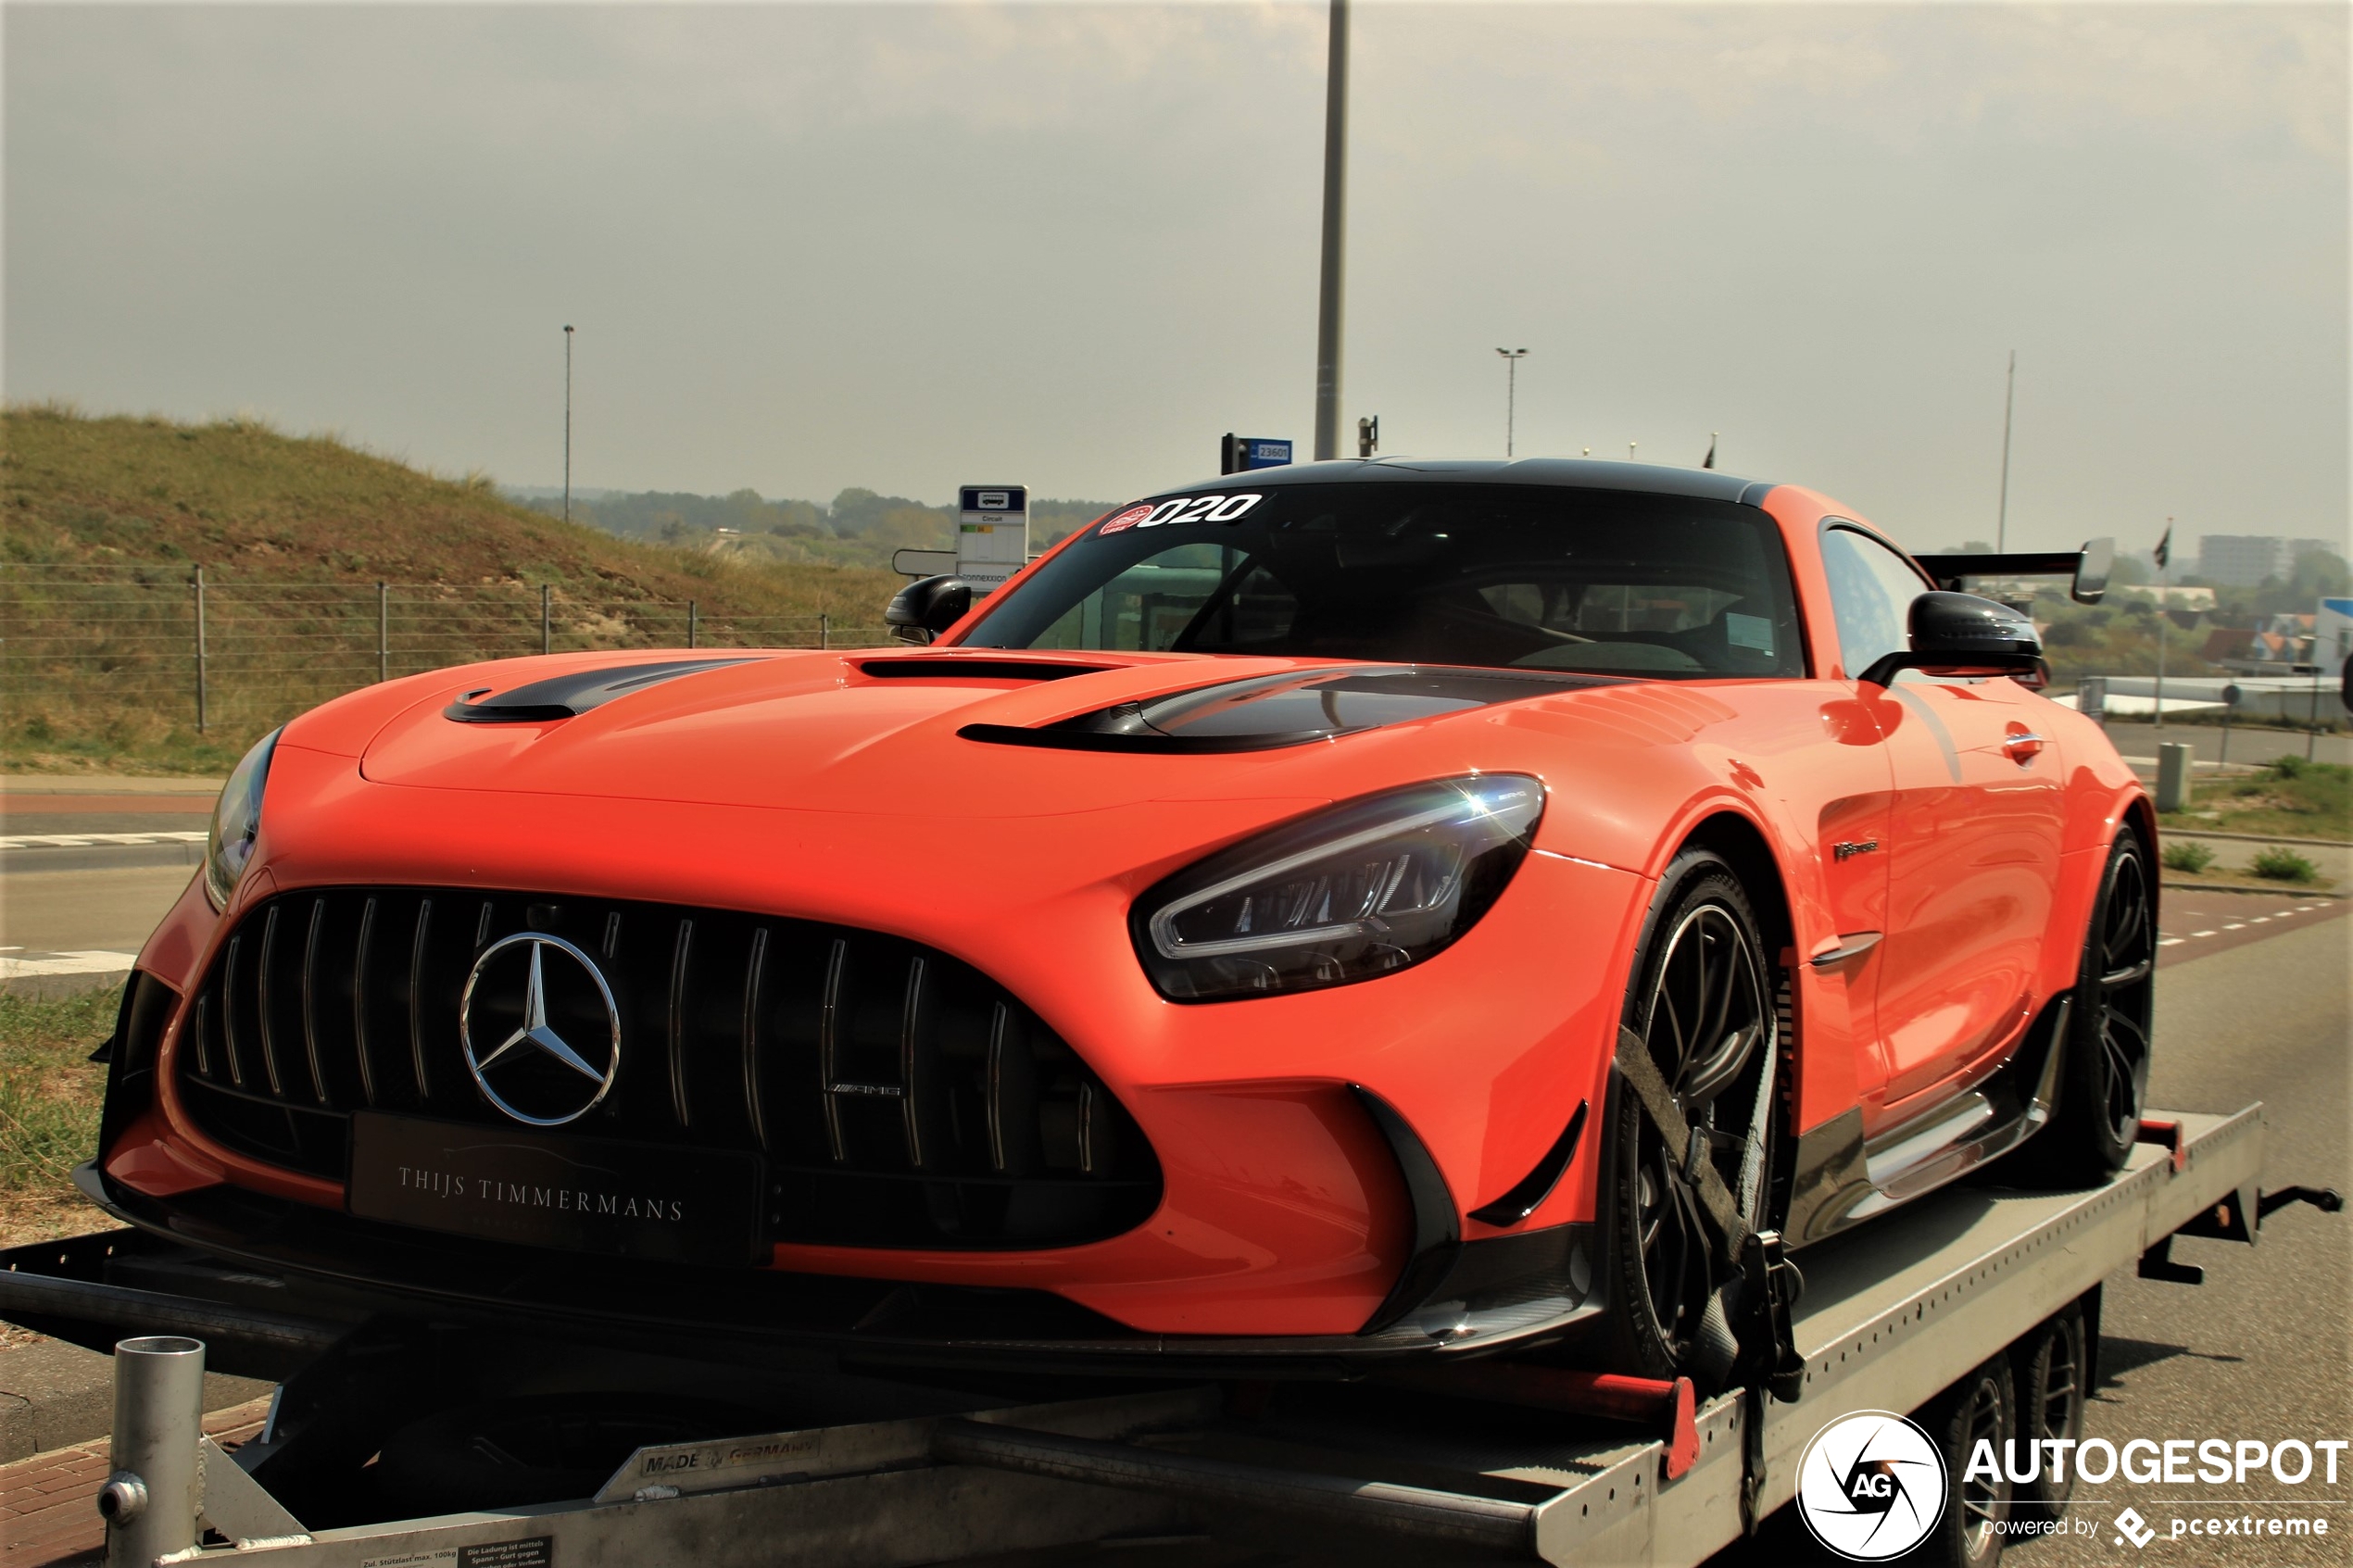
[{"x": 1872, "y": 593}]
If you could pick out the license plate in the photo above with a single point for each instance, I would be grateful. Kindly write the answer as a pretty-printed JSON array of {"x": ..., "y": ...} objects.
[{"x": 543, "y": 1189}]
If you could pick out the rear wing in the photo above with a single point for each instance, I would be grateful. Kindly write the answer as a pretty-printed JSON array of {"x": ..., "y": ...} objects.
[{"x": 2088, "y": 568}]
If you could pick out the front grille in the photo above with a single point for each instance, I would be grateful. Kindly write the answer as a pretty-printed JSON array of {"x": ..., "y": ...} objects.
[{"x": 900, "y": 1097}]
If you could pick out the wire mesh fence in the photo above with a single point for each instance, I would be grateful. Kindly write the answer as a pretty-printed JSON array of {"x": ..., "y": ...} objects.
[{"x": 82, "y": 648}]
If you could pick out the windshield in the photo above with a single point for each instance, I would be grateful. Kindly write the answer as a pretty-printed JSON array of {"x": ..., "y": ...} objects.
[{"x": 1526, "y": 576}]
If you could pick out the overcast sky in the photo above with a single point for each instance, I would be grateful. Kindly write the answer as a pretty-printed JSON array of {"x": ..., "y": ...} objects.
[{"x": 905, "y": 246}]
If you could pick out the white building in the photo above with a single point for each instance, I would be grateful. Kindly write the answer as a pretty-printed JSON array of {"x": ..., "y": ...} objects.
[{"x": 2244, "y": 561}]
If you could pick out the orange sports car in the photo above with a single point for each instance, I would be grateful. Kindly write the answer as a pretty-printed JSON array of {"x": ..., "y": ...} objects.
[{"x": 1359, "y": 911}]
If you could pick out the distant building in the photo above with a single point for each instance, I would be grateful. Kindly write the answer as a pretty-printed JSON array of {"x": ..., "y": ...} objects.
[{"x": 2244, "y": 561}]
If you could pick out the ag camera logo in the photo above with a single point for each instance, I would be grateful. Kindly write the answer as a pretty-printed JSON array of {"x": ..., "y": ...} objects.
[{"x": 1871, "y": 1485}]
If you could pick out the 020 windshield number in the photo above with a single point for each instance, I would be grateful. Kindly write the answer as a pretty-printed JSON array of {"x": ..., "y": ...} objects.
[{"x": 1184, "y": 509}]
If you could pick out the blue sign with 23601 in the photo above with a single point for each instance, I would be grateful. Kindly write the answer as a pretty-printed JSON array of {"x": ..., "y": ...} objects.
[{"x": 1259, "y": 453}]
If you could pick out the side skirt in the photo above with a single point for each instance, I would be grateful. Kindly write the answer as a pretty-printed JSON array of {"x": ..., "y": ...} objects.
[{"x": 1841, "y": 1179}]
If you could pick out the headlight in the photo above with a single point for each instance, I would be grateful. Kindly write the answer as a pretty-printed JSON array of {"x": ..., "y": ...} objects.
[
  {"x": 235, "y": 820},
  {"x": 1358, "y": 891}
]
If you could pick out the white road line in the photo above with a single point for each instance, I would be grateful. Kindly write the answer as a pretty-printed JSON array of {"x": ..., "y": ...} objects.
[
  {"x": 2260, "y": 919},
  {"x": 86, "y": 840},
  {"x": 2236, "y": 925},
  {"x": 92, "y": 962},
  {"x": 2169, "y": 942},
  {"x": 2201, "y": 934}
]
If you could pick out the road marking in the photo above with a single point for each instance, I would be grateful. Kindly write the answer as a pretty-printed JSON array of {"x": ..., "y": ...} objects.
[
  {"x": 2236, "y": 925},
  {"x": 2201, "y": 934},
  {"x": 90, "y": 962},
  {"x": 2260, "y": 919},
  {"x": 2170, "y": 942},
  {"x": 86, "y": 840}
]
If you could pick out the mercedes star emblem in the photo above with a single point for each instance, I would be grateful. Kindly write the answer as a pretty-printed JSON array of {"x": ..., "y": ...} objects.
[{"x": 538, "y": 1064}]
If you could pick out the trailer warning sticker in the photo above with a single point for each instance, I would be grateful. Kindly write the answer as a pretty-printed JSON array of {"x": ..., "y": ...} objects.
[{"x": 532, "y": 1551}]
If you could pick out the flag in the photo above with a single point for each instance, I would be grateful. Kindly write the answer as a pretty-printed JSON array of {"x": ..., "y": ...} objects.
[
  {"x": 2164, "y": 551},
  {"x": 1709, "y": 461}
]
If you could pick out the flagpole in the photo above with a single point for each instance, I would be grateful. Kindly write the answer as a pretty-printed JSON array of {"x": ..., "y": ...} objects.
[{"x": 2164, "y": 580}]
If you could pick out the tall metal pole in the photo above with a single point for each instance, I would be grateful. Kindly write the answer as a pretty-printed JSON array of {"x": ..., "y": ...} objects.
[
  {"x": 384, "y": 634},
  {"x": 200, "y": 652},
  {"x": 1327, "y": 310},
  {"x": 2009, "y": 401},
  {"x": 546, "y": 623},
  {"x": 2164, "y": 583},
  {"x": 1511, "y": 357},
  {"x": 567, "y": 423}
]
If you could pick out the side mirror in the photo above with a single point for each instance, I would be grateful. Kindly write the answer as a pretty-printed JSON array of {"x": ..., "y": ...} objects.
[
  {"x": 2092, "y": 569},
  {"x": 1962, "y": 635},
  {"x": 922, "y": 610}
]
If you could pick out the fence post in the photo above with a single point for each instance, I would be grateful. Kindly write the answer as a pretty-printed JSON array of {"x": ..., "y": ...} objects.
[
  {"x": 200, "y": 652},
  {"x": 383, "y": 635},
  {"x": 824, "y": 630},
  {"x": 547, "y": 625},
  {"x": 693, "y": 622}
]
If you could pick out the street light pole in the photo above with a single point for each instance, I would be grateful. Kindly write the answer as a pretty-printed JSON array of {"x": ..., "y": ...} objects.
[
  {"x": 567, "y": 423},
  {"x": 1327, "y": 312},
  {"x": 1511, "y": 357},
  {"x": 2009, "y": 401}
]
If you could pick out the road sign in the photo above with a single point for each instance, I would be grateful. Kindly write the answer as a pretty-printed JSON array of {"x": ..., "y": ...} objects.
[
  {"x": 1238, "y": 454},
  {"x": 992, "y": 534}
]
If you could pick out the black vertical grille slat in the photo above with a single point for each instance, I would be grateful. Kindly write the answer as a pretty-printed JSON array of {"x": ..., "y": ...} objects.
[
  {"x": 361, "y": 1050},
  {"x": 682, "y": 954},
  {"x": 912, "y": 1097},
  {"x": 829, "y": 1023},
  {"x": 203, "y": 1035},
  {"x": 265, "y": 1003},
  {"x": 417, "y": 1001},
  {"x": 755, "y": 971},
  {"x": 311, "y": 1001},
  {"x": 899, "y": 1097}
]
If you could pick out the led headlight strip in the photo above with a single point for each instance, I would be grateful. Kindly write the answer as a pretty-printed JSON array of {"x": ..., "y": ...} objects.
[
  {"x": 1351, "y": 892},
  {"x": 235, "y": 820}
]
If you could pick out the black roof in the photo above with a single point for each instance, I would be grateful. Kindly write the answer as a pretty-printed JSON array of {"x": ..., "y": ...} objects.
[{"x": 1575, "y": 473}]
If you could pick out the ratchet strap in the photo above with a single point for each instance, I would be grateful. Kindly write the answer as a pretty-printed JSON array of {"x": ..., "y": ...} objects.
[{"x": 1768, "y": 1348}]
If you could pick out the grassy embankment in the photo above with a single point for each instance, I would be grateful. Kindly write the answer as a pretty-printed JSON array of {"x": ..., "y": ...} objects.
[
  {"x": 49, "y": 1094},
  {"x": 103, "y": 520}
]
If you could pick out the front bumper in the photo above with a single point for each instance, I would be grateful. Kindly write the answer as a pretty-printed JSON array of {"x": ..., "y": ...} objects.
[{"x": 222, "y": 1249}]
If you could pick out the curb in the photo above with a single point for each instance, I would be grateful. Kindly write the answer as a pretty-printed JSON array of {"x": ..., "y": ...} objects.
[
  {"x": 2284, "y": 890},
  {"x": 54, "y": 1395},
  {"x": 2164, "y": 832}
]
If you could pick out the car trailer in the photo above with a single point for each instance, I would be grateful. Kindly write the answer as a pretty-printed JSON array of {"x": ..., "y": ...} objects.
[{"x": 1439, "y": 1461}]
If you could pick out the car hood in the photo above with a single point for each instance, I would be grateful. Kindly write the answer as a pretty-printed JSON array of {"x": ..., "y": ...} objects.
[{"x": 974, "y": 735}]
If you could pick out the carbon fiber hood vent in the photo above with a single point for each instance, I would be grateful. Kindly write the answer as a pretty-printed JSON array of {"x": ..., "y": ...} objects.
[{"x": 1293, "y": 708}]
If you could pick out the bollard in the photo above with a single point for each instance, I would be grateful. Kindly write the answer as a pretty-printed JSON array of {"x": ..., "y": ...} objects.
[
  {"x": 2174, "y": 775},
  {"x": 151, "y": 1500}
]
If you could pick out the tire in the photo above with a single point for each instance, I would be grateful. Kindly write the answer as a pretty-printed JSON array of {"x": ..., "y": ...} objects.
[
  {"x": 2102, "y": 1080},
  {"x": 2051, "y": 1369},
  {"x": 1702, "y": 949},
  {"x": 1981, "y": 1407}
]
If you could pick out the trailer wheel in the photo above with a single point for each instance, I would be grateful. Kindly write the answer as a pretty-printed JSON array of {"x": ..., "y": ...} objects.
[
  {"x": 2053, "y": 1371},
  {"x": 1980, "y": 1408}
]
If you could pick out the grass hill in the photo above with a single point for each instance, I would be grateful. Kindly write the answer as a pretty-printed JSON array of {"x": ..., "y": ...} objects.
[
  {"x": 103, "y": 521},
  {"x": 858, "y": 528}
]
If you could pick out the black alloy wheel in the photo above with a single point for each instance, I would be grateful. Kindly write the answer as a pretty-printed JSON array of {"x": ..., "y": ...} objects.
[
  {"x": 2103, "y": 1082},
  {"x": 1979, "y": 1408},
  {"x": 1706, "y": 1002},
  {"x": 2053, "y": 1367}
]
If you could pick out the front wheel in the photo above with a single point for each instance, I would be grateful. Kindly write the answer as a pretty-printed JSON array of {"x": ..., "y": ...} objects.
[{"x": 1705, "y": 1001}]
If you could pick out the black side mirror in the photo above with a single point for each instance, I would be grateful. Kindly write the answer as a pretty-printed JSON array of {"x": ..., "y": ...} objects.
[
  {"x": 1962, "y": 635},
  {"x": 922, "y": 610}
]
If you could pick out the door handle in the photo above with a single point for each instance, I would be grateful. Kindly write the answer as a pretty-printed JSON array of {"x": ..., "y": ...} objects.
[{"x": 2022, "y": 747}]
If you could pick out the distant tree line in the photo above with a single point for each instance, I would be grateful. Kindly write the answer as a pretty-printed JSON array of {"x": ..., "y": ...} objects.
[{"x": 858, "y": 528}]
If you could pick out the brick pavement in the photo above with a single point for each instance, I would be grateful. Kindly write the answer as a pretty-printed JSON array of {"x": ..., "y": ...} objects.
[{"x": 48, "y": 1507}]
